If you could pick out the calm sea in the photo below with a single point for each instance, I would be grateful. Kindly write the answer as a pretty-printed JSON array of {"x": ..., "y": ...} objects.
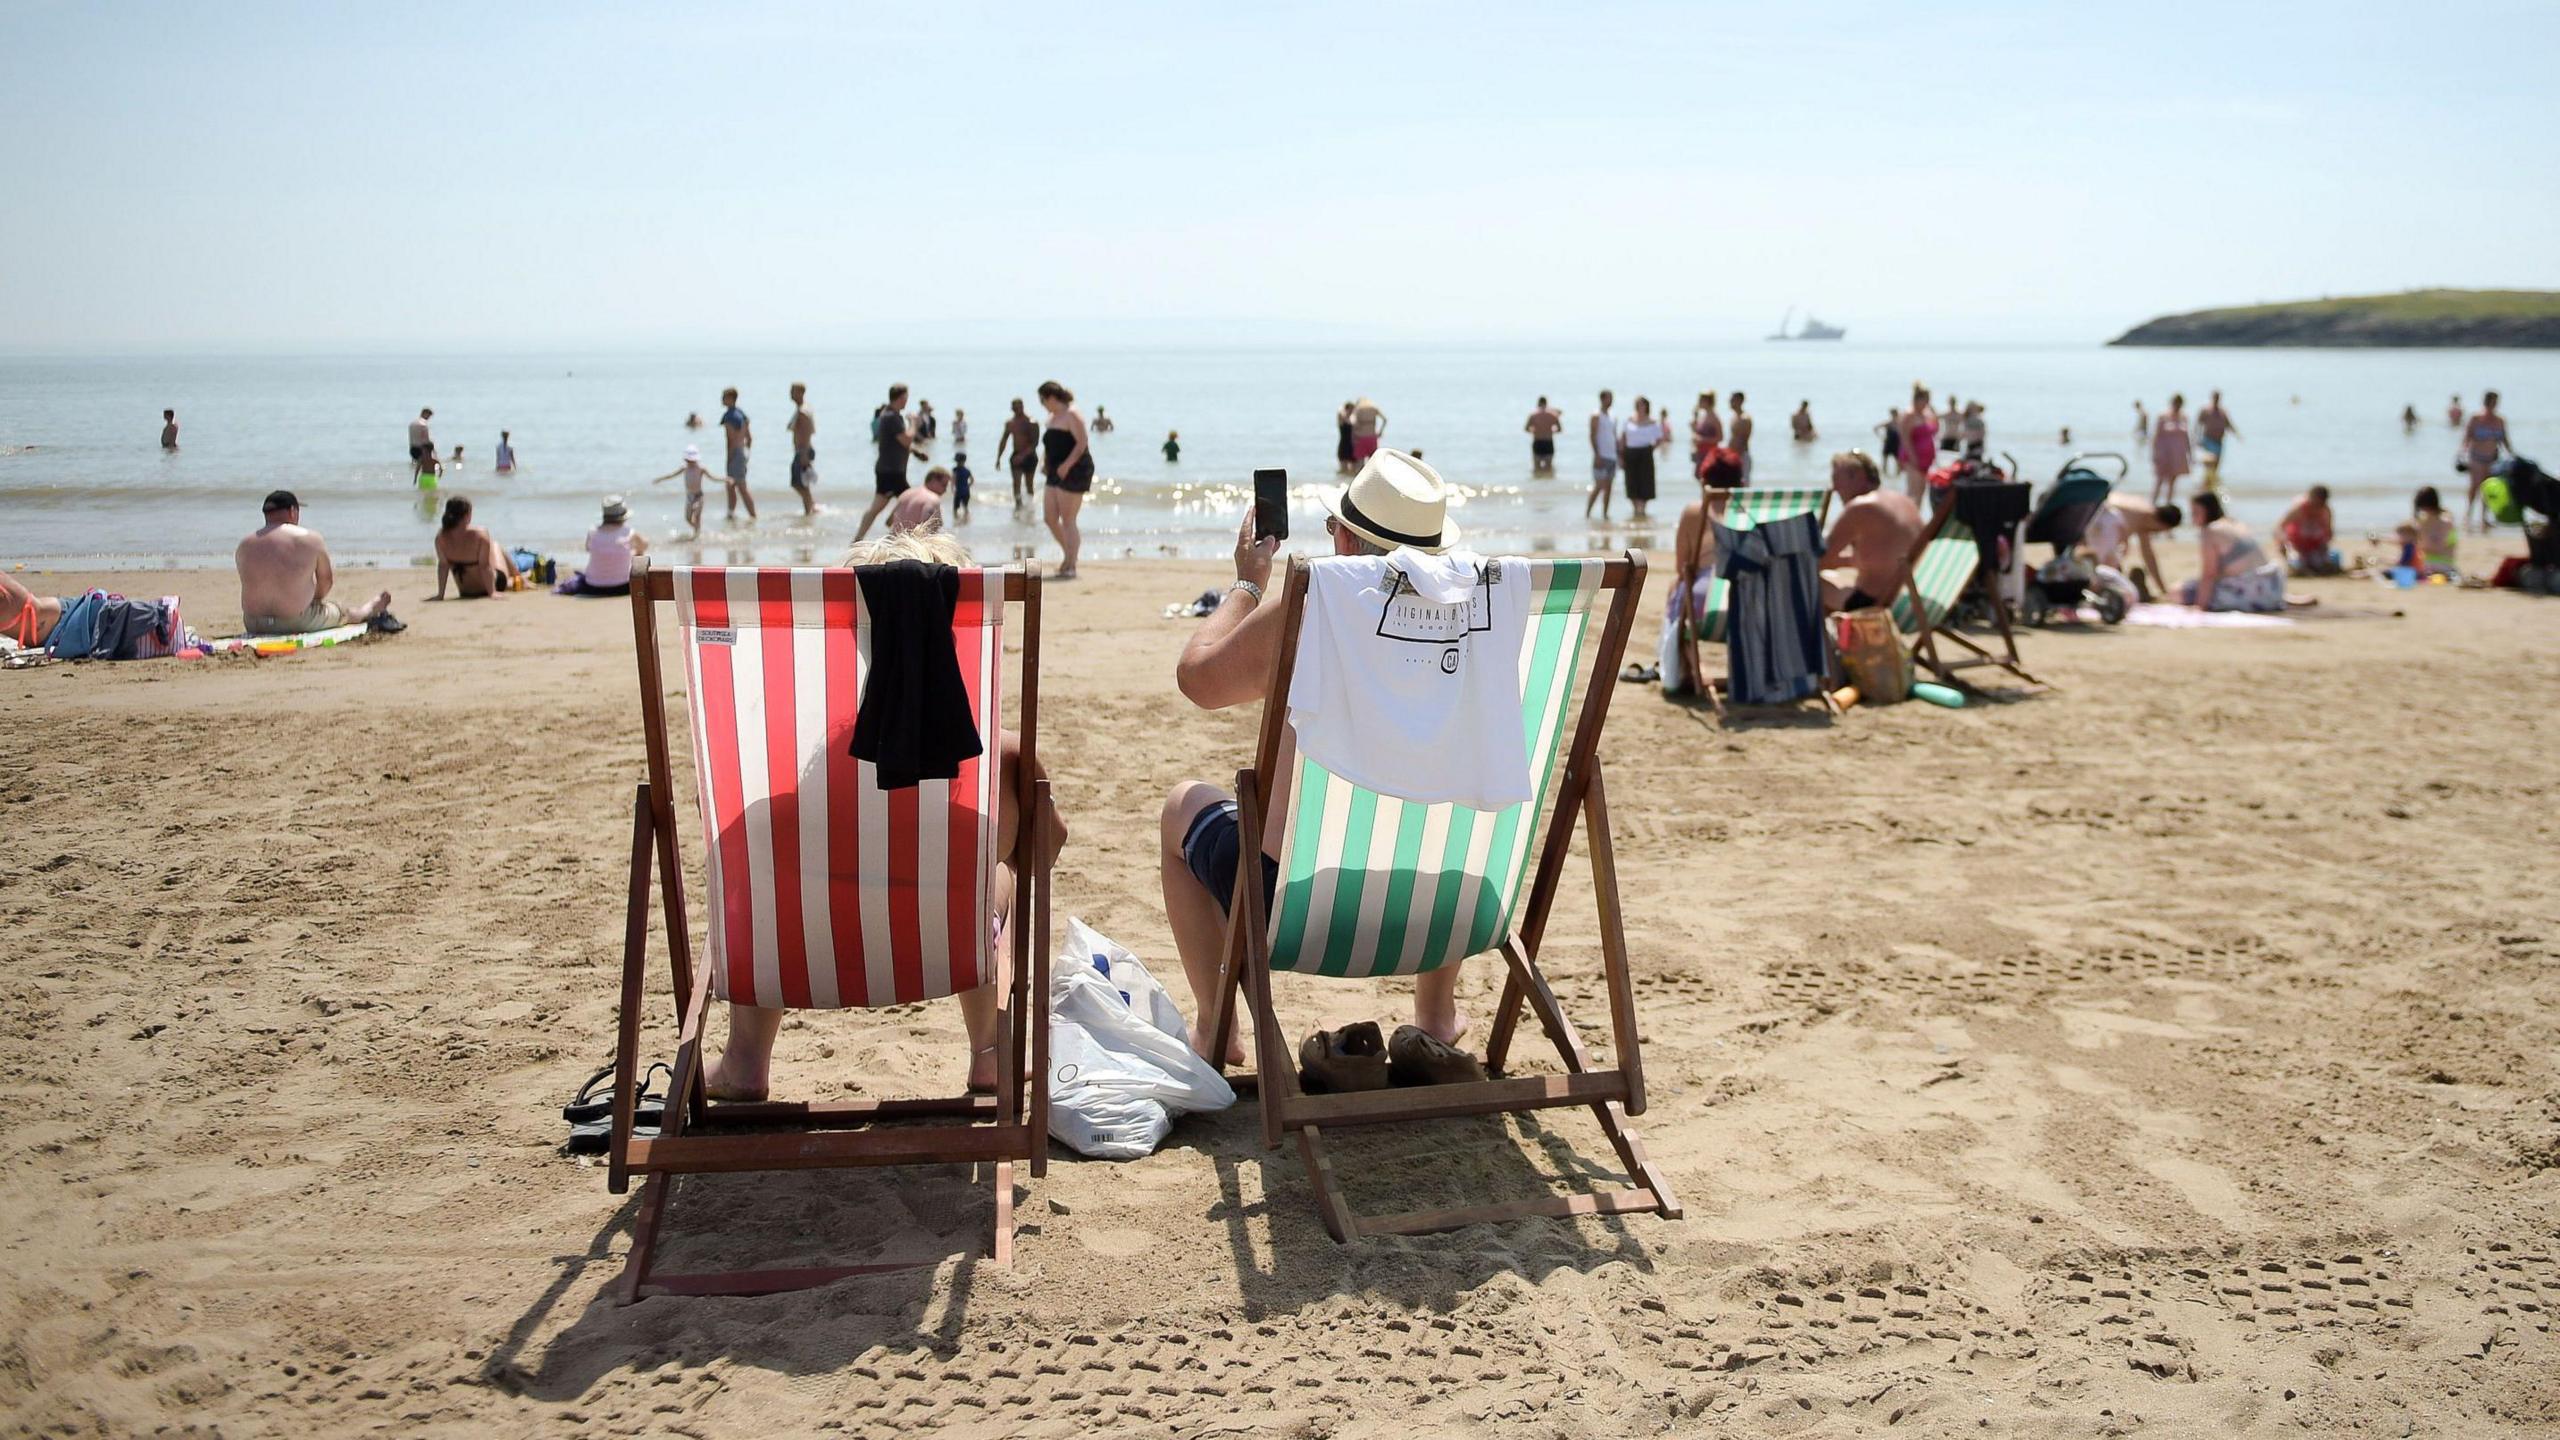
[{"x": 83, "y": 479}]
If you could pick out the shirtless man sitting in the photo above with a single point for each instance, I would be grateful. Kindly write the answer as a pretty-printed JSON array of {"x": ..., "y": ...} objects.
[
  {"x": 1228, "y": 662},
  {"x": 1873, "y": 536},
  {"x": 285, "y": 576},
  {"x": 921, "y": 508}
]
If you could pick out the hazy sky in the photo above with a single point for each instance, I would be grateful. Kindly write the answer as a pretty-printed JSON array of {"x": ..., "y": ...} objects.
[{"x": 529, "y": 173}]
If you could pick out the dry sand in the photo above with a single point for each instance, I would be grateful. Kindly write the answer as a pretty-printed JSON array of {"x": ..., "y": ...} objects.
[{"x": 2172, "y": 1051}]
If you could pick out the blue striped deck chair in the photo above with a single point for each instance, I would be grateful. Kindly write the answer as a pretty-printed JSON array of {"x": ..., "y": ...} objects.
[
  {"x": 1371, "y": 886},
  {"x": 1942, "y": 566},
  {"x": 1744, "y": 509}
]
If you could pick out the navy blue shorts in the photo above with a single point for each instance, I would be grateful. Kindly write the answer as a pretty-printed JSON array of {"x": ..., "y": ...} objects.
[{"x": 1209, "y": 850}]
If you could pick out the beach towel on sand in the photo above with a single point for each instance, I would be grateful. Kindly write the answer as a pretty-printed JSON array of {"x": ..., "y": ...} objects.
[{"x": 2184, "y": 617}]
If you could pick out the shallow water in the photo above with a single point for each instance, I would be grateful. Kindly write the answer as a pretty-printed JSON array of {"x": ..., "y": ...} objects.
[{"x": 82, "y": 477}]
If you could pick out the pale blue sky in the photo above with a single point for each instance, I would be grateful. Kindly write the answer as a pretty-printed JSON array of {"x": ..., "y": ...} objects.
[{"x": 530, "y": 174}]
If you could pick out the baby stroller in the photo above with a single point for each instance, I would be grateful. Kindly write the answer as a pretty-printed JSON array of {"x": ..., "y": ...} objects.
[{"x": 2069, "y": 580}]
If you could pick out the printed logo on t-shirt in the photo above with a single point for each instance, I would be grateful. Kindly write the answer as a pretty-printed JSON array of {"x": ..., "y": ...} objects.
[{"x": 1410, "y": 619}]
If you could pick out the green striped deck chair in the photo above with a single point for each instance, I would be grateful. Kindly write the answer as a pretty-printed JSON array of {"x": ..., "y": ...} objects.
[
  {"x": 1746, "y": 509},
  {"x": 1370, "y": 885},
  {"x": 1942, "y": 565}
]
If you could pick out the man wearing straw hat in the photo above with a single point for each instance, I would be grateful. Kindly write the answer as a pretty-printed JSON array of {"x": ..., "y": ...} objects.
[{"x": 1395, "y": 501}]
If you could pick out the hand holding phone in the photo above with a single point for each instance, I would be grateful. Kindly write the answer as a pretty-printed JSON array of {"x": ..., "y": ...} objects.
[{"x": 1271, "y": 504}]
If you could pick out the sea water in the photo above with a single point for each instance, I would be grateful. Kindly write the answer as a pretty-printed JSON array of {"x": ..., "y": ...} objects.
[{"x": 83, "y": 480}]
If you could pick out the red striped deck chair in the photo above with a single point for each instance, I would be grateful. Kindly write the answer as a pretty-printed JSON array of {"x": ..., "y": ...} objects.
[
  {"x": 1370, "y": 885},
  {"x": 824, "y": 891}
]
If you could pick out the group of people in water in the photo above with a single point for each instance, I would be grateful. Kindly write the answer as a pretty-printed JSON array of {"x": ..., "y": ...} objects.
[{"x": 1631, "y": 450}]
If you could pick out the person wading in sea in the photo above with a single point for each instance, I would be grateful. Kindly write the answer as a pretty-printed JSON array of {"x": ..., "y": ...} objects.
[
  {"x": 1543, "y": 424},
  {"x": 1604, "y": 457}
]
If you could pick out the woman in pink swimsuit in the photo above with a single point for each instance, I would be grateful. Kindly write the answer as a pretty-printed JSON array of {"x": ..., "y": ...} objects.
[
  {"x": 1919, "y": 443},
  {"x": 2171, "y": 452},
  {"x": 1706, "y": 432}
]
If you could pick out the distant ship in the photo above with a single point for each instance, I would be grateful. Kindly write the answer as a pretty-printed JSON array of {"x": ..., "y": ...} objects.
[{"x": 1813, "y": 329}]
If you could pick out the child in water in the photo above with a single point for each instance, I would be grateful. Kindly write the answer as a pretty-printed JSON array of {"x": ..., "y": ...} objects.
[
  {"x": 506, "y": 452},
  {"x": 1172, "y": 447},
  {"x": 959, "y": 482}
]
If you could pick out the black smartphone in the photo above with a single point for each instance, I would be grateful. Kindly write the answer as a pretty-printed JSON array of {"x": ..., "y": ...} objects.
[{"x": 1271, "y": 504}]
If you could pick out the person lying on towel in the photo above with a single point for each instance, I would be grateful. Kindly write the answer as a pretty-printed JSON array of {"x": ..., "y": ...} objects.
[
  {"x": 26, "y": 618},
  {"x": 744, "y": 1070},
  {"x": 1866, "y": 559}
]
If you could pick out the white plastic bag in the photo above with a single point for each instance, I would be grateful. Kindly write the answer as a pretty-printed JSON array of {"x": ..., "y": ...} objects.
[
  {"x": 1670, "y": 658},
  {"x": 1120, "y": 1061}
]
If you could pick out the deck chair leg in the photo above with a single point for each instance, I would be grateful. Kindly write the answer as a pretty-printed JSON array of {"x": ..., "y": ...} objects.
[
  {"x": 1001, "y": 1254},
  {"x": 1506, "y": 1020},
  {"x": 1339, "y": 1220},
  {"x": 1220, "y": 1023},
  {"x": 1640, "y": 1166},
  {"x": 1612, "y": 1115},
  {"x": 1551, "y": 1017},
  {"x": 1039, "y": 1015},
  {"x": 626, "y": 1037},
  {"x": 1627, "y": 1049},
  {"x": 644, "y": 1234}
]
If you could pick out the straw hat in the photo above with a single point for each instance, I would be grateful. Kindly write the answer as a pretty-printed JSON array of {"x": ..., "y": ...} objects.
[
  {"x": 615, "y": 512},
  {"x": 1397, "y": 500}
]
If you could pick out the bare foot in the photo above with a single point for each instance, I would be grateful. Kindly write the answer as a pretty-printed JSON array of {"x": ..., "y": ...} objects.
[
  {"x": 719, "y": 1084},
  {"x": 982, "y": 1071},
  {"x": 1235, "y": 1047},
  {"x": 1448, "y": 1031}
]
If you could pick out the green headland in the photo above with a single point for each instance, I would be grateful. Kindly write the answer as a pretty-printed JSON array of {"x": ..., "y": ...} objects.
[{"x": 2506, "y": 319}]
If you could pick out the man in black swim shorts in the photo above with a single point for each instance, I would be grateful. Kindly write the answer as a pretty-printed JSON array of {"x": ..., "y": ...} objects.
[
  {"x": 1021, "y": 445},
  {"x": 1228, "y": 662},
  {"x": 888, "y": 473},
  {"x": 1543, "y": 424}
]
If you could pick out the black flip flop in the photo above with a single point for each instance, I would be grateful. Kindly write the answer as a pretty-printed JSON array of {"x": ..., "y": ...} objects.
[
  {"x": 1641, "y": 674},
  {"x": 591, "y": 1117}
]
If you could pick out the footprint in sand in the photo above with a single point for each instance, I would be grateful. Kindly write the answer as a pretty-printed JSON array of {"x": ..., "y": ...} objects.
[{"x": 1117, "y": 1241}]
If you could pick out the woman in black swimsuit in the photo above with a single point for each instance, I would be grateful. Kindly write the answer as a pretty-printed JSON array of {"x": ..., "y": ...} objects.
[
  {"x": 469, "y": 556},
  {"x": 1342, "y": 459},
  {"x": 1067, "y": 461}
]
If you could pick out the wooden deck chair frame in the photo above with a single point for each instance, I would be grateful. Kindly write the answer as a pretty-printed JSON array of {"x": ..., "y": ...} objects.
[
  {"x": 1716, "y": 687},
  {"x": 1928, "y": 630},
  {"x": 700, "y": 1135},
  {"x": 1613, "y": 1095}
]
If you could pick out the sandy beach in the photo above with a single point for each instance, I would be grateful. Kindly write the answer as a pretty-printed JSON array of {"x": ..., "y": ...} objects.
[{"x": 2169, "y": 1051}]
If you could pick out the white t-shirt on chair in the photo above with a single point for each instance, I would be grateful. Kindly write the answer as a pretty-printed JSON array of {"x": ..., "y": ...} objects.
[{"x": 1408, "y": 676}]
